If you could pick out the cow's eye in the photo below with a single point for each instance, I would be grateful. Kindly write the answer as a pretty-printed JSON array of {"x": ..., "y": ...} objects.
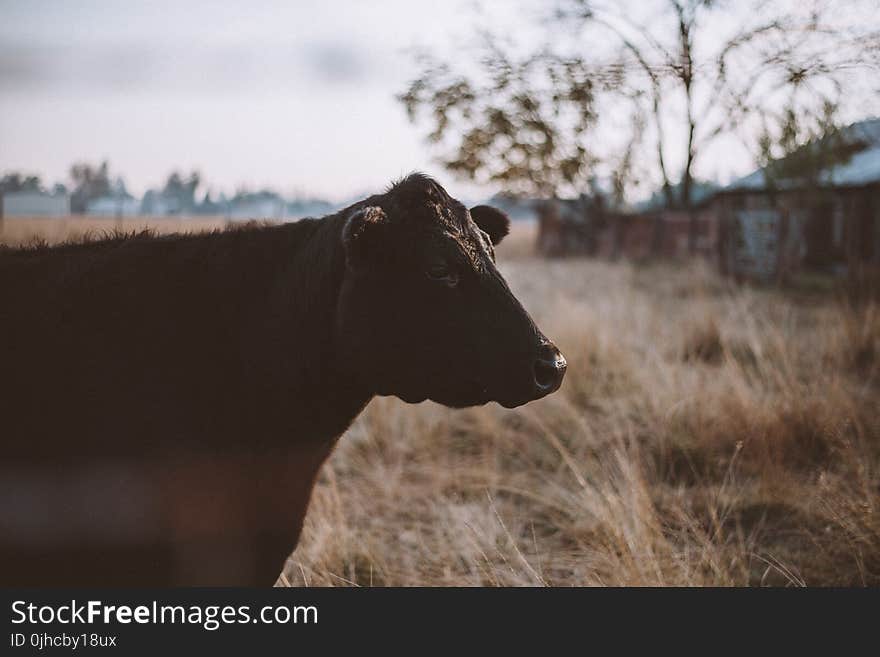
[{"x": 442, "y": 274}]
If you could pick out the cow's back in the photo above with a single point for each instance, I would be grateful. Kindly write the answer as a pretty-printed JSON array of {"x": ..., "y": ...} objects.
[{"x": 129, "y": 340}]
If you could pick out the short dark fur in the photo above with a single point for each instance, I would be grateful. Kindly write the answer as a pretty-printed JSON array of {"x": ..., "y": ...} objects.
[{"x": 266, "y": 341}]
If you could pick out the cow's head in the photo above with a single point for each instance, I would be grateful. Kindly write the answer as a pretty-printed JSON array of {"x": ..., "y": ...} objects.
[{"x": 424, "y": 313}]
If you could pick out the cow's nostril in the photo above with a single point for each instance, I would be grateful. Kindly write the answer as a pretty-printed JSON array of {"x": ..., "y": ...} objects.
[
  {"x": 545, "y": 374},
  {"x": 549, "y": 369}
]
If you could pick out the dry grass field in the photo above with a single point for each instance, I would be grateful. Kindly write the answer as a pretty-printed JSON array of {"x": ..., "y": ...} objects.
[
  {"x": 22, "y": 230},
  {"x": 705, "y": 434}
]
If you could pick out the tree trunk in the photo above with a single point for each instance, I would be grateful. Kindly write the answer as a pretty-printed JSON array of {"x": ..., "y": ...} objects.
[
  {"x": 659, "y": 224},
  {"x": 686, "y": 23},
  {"x": 687, "y": 201}
]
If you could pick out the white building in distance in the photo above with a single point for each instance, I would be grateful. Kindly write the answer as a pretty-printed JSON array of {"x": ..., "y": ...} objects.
[
  {"x": 113, "y": 206},
  {"x": 34, "y": 204}
]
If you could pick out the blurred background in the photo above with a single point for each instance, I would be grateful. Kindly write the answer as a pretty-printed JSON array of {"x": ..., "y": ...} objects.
[
  {"x": 639, "y": 129},
  {"x": 695, "y": 188}
]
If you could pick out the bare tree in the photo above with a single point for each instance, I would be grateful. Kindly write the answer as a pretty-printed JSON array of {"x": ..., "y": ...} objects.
[
  {"x": 183, "y": 190},
  {"x": 686, "y": 72},
  {"x": 89, "y": 182}
]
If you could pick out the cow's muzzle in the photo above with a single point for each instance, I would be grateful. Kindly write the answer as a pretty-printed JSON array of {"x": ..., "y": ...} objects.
[{"x": 549, "y": 369}]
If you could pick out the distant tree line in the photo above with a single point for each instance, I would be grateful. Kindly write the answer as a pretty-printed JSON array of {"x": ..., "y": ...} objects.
[{"x": 179, "y": 194}]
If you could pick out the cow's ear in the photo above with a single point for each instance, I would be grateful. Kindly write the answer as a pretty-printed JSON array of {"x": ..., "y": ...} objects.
[
  {"x": 492, "y": 220},
  {"x": 363, "y": 234}
]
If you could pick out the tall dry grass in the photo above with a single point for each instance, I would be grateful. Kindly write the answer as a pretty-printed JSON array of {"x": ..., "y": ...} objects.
[{"x": 705, "y": 435}]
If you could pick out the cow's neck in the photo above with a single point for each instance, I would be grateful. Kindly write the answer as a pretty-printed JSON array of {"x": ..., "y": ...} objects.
[{"x": 303, "y": 392}]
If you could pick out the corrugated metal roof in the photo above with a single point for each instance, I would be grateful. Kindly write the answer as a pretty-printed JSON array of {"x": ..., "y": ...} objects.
[{"x": 861, "y": 169}]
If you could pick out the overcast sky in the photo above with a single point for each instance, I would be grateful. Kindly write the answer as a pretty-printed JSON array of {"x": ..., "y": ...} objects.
[{"x": 297, "y": 95}]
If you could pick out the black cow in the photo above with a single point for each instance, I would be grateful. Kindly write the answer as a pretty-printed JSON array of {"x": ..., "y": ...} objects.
[{"x": 167, "y": 402}]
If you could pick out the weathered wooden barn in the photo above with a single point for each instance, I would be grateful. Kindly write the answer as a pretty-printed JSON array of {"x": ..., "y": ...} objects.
[
  {"x": 764, "y": 226},
  {"x": 770, "y": 229},
  {"x": 571, "y": 227}
]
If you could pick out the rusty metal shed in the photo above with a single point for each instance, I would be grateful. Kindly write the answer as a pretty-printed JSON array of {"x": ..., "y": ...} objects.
[{"x": 770, "y": 229}]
